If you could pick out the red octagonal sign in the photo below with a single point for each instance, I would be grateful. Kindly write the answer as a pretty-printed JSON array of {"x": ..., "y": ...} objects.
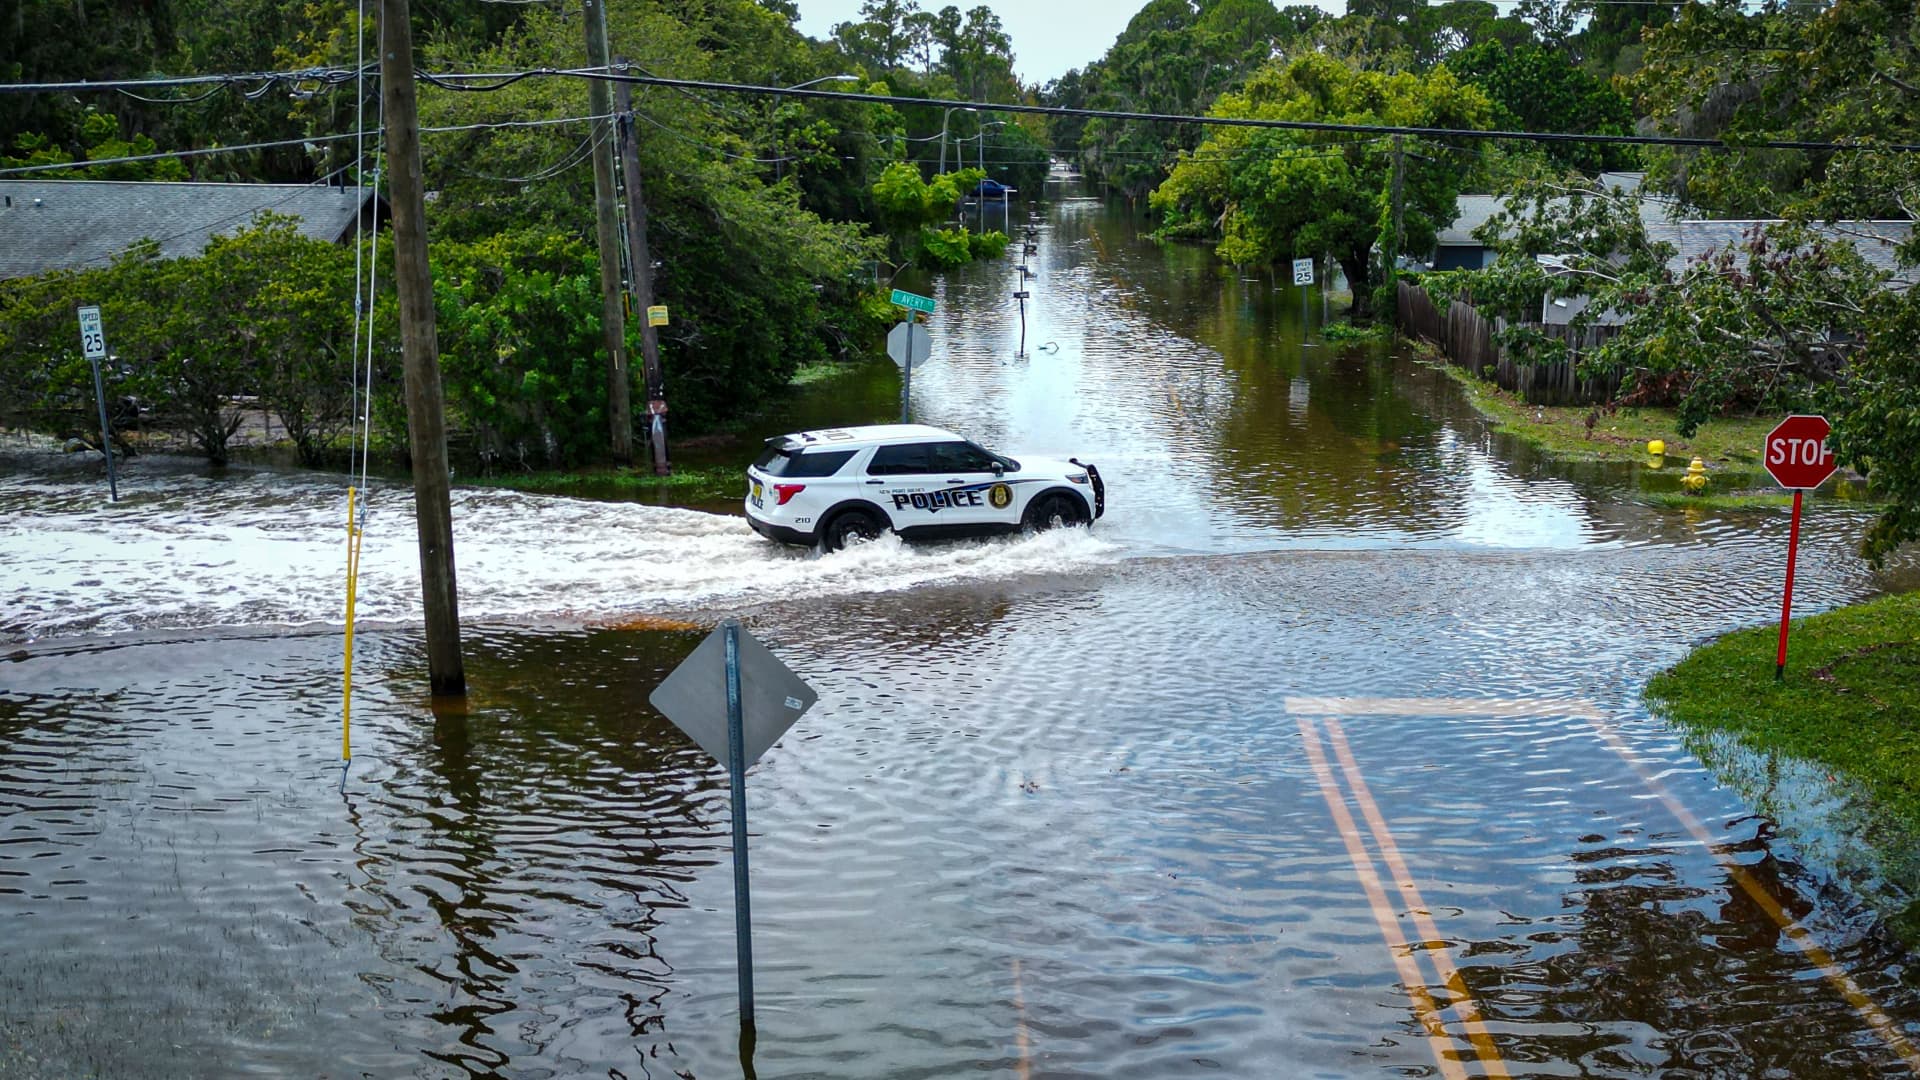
[{"x": 1797, "y": 454}]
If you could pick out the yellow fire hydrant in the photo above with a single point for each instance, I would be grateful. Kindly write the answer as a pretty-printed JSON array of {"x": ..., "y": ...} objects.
[
  {"x": 1696, "y": 479},
  {"x": 1658, "y": 448}
]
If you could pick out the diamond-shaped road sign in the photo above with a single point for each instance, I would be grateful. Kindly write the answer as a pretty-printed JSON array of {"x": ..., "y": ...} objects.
[
  {"x": 694, "y": 696},
  {"x": 898, "y": 339}
]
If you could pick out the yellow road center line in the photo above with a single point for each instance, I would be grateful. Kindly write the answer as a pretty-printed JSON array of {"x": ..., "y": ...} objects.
[
  {"x": 1843, "y": 983},
  {"x": 1020, "y": 1040},
  {"x": 1410, "y": 894},
  {"x": 1527, "y": 708},
  {"x": 1856, "y": 996},
  {"x": 1447, "y": 1052}
]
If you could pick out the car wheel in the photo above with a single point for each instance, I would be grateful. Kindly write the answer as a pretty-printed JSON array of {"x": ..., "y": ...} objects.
[
  {"x": 1055, "y": 511},
  {"x": 851, "y": 527}
]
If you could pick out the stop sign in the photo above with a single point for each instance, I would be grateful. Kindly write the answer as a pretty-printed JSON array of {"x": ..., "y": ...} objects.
[{"x": 1796, "y": 452}]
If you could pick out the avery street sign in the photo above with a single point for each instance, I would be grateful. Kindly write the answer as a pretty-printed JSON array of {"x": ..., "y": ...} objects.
[{"x": 913, "y": 301}]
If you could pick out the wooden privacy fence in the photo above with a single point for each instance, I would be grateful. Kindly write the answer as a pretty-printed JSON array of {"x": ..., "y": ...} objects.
[{"x": 1466, "y": 338}]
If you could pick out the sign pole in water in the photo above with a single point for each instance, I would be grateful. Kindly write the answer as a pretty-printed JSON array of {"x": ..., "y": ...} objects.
[
  {"x": 906, "y": 381},
  {"x": 737, "y": 786},
  {"x": 761, "y": 700},
  {"x": 93, "y": 342},
  {"x": 912, "y": 302},
  {"x": 1796, "y": 455}
]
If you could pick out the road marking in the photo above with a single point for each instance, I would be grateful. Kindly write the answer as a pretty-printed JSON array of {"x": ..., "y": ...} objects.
[
  {"x": 1020, "y": 1030},
  {"x": 1843, "y": 983},
  {"x": 1877, "y": 1019},
  {"x": 1422, "y": 917},
  {"x": 1463, "y": 707},
  {"x": 1447, "y": 1051}
]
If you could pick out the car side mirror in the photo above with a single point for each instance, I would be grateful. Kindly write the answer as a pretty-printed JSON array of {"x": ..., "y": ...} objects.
[{"x": 999, "y": 469}]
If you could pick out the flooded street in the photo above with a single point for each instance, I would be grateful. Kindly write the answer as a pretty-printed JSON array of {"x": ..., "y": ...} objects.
[{"x": 1321, "y": 755}]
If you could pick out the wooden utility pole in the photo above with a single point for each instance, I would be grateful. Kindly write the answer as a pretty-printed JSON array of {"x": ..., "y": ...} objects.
[
  {"x": 641, "y": 279},
  {"x": 607, "y": 233},
  {"x": 426, "y": 427},
  {"x": 1399, "y": 234}
]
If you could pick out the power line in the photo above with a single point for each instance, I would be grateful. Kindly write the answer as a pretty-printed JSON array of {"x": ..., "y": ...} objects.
[
  {"x": 330, "y": 76},
  {"x": 313, "y": 140},
  {"x": 447, "y": 79},
  {"x": 622, "y": 73}
]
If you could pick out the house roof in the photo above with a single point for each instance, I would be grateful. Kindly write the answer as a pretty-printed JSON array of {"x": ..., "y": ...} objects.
[
  {"x": 59, "y": 224},
  {"x": 1876, "y": 241},
  {"x": 1472, "y": 211}
]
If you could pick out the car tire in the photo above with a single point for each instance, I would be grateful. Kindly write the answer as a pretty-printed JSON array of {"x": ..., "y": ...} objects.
[
  {"x": 1054, "y": 510},
  {"x": 850, "y": 527}
]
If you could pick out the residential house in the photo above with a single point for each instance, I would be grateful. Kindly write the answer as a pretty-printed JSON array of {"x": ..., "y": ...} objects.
[{"x": 79, "y": 224}]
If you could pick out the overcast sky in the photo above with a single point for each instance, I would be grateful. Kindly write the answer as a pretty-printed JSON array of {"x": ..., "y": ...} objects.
[{"x": 1049, "y": 36}]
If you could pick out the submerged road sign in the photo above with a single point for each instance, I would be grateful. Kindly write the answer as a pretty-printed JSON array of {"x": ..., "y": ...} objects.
[
  {"x": 735, "y": 698},
  {"x": 1303, "y": 271},
  {"x": 694, "y": 696}
]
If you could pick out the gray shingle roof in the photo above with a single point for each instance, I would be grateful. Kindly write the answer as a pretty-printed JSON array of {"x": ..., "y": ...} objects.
[
  {"x": 1876, "y": 241},
  {"x": 55, "y": 224},
  {"x": 1472, "y": 211}
]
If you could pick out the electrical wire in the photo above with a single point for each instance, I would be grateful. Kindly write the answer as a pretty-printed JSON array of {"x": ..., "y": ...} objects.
[
  {"x": 708, "y": 146},
  {"x": 573, "y": 158},
  {"x": 309, "y": 140},
  {"x": 449, "y": 79}
]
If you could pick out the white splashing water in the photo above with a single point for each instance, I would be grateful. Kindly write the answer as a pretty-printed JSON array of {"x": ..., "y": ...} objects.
[{"x": 185, "y": 551}]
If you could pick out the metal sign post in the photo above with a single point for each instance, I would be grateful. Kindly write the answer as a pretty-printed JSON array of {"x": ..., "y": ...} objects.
[
  {"x": 1022, "y": 296},
  {"x": 1796, "y": 455},
  {"x": 907, "y": 355},
  {"x": 93, "y": 342},
  {"x": 761, "y": 700},
  {"x": 737, "y": 785},
  {"x": 906, "y": 379}
]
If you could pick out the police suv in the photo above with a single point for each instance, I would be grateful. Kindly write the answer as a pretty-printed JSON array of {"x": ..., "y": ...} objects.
[{"x": 845, "y": 485}]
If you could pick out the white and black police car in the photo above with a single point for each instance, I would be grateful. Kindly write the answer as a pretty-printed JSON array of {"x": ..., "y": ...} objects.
[{"x": 845, "y": 485}]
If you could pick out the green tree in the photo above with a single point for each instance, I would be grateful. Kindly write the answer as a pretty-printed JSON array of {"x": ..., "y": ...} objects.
[
  {"x": 1266, "y": 195},
  {"x": 1536, "y": 88},
  {"x": 1788, "y": 318}
]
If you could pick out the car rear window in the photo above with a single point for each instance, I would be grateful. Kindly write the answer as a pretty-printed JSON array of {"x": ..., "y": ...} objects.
[{"x": 780, "y": 461}]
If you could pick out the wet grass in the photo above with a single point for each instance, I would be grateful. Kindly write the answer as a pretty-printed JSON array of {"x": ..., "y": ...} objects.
[
  {"x": 1346, "y": 331},
  {"x": 1850, "y": 700},
  {"x": 1744, "y": 501},
  {"x": 1619, "y": 436},
  {"x": 687, "y": 486}
]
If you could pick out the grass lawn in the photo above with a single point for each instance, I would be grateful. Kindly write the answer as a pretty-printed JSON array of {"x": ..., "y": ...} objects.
[
  {"x": 1619, "y": 436},
  {"x": 687, "y": 486},
  {"x": 1850, "y": 700}
]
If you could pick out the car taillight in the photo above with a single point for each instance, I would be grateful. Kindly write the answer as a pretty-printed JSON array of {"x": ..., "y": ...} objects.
[{"x": 787, "y": 491}]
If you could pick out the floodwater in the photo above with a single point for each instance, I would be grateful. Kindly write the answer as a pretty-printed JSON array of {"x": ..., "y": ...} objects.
[{"x": 1321, "y": 756}]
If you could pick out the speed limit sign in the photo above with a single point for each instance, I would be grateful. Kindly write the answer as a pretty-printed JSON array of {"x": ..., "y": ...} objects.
[{"x": 93, "y": 341}]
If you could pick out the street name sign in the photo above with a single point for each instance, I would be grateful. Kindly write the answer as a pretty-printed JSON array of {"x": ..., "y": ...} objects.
[
  {"x": 1303, "y": 271},
  {"x": 912, "y": 301},
  {"x": 909, "y": 346},
  {"x": 1796, "y": 453}
]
